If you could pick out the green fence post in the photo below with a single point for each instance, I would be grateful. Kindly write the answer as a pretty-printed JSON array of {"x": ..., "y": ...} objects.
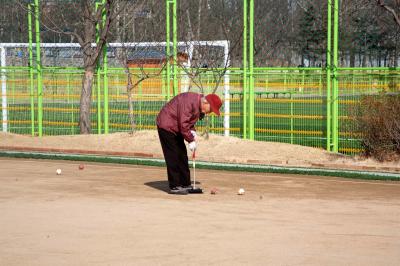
[
  {"x": 39, "y": 69},
  {"x": 245, "y": 87},
  {"x": 68, "y": 101},
  {"x": 105, "y": 92},
  {"x": 163, "y": 84},
  {"x": 208, "y": 87},
  {"x": 291, "y": 118},
  {"x": 32, "y": 93},
  {"x": 140, "y": 99},
  {"x": 320, "y": 84},
  {"x": 105, "y": 78},
  {"x": 98, "y": 95},
  {"x": 175, "y": 45},
  {"x": 335, "y": 109},
  {"x": 98, "y": 79},
  {"x": 285, "y": 81},
  {"x": 168, "y": 44},
  {"x": 13, "y": 86},
  {"x": 251, "y": 62},
  {"x": 328, "y": 78}
]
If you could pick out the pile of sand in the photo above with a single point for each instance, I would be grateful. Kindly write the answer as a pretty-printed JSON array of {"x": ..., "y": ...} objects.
[{"x": 216, "y": 148}]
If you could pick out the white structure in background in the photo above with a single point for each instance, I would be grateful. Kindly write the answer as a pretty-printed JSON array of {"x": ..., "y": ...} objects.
[
  {"x": 226, "y": 63},
  {"x": 3, "y": 88},
  {"x": 189, "y": 47}
]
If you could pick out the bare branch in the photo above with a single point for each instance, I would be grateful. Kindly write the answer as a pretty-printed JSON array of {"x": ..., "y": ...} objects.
[{"x": 391, "y": 10}]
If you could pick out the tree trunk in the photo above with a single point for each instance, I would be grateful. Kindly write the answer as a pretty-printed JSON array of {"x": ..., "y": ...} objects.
[
  {"x": 190, "y": 30},
  {"x": 364, "y": 59},
  {"x": 86, "y": 100},
  {"x": 129, "y": 89},
  {"x": 118, "y": 22},
  {"x": 352, "y": 57},
  {"x": 131, "y": 112},
  {"x": 199, "y": 20}
]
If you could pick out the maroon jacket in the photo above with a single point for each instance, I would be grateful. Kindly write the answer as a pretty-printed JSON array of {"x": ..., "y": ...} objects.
[{"x": 181, "y": 114}]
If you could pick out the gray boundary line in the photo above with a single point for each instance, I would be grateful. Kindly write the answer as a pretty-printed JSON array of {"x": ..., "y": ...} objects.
[{"x": 369, "y": 175}]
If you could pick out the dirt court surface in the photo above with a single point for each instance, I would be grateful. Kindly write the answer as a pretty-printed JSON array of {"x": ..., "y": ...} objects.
[{"x": 120, "y": 215}]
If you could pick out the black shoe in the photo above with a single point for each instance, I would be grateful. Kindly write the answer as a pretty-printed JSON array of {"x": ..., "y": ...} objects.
[
  {"x": 178, "y": 191},
  {"x": 189, "y": 187}
]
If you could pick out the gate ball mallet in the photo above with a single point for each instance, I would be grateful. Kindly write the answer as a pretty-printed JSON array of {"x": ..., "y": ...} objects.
[{"x": 194, "y": 190}]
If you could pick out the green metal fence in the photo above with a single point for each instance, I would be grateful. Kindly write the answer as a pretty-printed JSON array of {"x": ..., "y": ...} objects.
[
  {"x": 312, "y": 106},
  {"x": 290, "y": 104}
]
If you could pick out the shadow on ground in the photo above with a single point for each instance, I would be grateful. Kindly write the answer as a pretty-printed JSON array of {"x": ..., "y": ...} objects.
[{"x": 162, "y": 185}]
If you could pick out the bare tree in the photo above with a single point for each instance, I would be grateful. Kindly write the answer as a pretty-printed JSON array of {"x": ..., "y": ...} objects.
[
  {"x": 144, "y": 10},
  {"x": 91, "y": 55},
  {"x": 394, "y": 11},
  {"x": 91, "y": 28},
  {"x": 139, "y": 77}
]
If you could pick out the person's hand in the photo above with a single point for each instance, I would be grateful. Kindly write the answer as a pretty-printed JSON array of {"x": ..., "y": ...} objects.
[
  {"x": 194, "y": 134},
  {"x": 192, "y": 146}
]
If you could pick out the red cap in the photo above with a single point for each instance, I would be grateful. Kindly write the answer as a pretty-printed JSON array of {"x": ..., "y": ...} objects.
[{"x": 215, "y": 103}]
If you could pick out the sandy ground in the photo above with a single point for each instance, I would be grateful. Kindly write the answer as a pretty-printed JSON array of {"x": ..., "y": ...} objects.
[
  {"x": 121, "y": 215},
  {"x": 216, "y": 148}
]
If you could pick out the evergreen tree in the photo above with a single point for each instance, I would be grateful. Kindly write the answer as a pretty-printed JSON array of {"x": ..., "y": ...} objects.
[{"x": 310, "y": 37}]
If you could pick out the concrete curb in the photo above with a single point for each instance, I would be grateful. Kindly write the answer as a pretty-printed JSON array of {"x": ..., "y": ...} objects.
[
  {"x": 102, "y": 158},
  {"x": 332, "y": 166}
]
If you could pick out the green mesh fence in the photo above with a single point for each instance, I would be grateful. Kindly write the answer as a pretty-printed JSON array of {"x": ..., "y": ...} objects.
[
  {"x": 290, "y": 104},
  {"x": 289, "y": 42},
  {"x": 354, "y": 84},
  {"x": 16, "y": 109},
  {"x": 148, "y": 96}
]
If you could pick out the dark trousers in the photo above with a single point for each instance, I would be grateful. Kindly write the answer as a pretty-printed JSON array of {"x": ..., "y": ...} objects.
[{"x": 175, "y": 155}]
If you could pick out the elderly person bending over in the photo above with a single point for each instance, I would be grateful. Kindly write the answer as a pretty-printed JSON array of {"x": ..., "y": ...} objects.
[{"x": 175, "y": 123}]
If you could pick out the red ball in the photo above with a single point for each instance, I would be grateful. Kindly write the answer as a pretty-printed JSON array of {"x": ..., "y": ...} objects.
[{"x": 81, "y": 167}]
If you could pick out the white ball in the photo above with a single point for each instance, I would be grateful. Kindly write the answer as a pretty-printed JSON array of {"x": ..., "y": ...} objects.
[
  {"x": 240, "y": 191},
  {"x": 58, "y": 171}
]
